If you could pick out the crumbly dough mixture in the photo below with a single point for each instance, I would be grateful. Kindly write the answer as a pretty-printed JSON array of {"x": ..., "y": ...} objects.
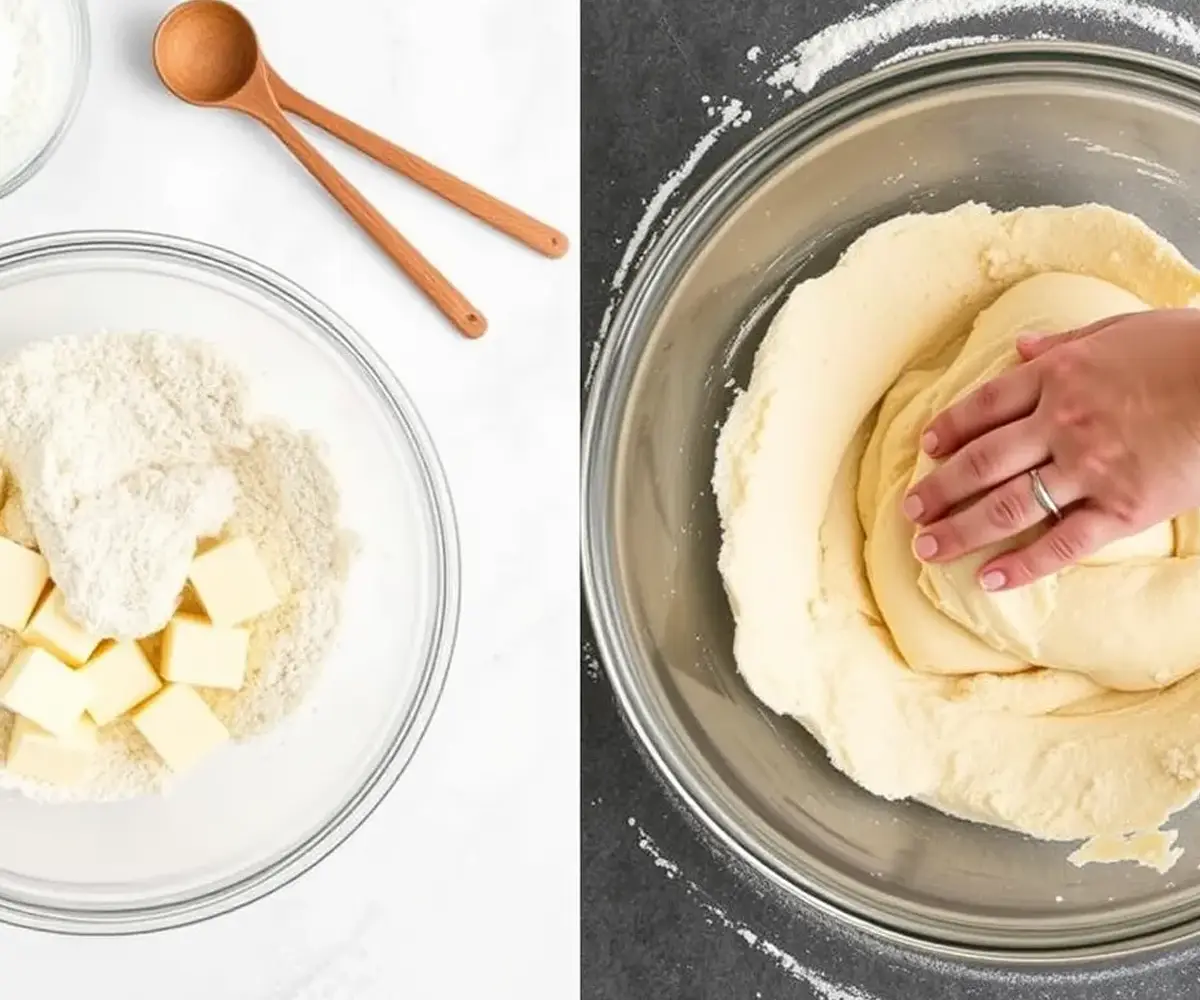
[
  {"x": 1068, "y": 710},
  {"x": 122, "y": 453}
]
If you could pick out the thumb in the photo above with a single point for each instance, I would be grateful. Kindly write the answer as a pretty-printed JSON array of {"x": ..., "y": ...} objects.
[{"x": 1034, "y": 345}]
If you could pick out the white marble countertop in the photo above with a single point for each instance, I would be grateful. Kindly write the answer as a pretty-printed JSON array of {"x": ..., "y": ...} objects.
[{"x": 465, "y": 882}]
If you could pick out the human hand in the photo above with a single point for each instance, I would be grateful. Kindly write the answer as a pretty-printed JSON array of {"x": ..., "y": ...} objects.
[{"x": 1108, "y": 416}]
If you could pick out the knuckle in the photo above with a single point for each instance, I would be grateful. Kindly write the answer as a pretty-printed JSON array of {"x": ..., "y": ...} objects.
[
  {"x": 1067, "y": 545},
  {"x": 987, "y": 398},
  {"x": 1068, "y": 413},
  {"x": 1096, "y": 467},
  {"x": 1007, "y": 510},
  {"x": 978, "y": 463},
  {"x": 1064, "y": 362},
  {"x": 1126, "y": 506}
]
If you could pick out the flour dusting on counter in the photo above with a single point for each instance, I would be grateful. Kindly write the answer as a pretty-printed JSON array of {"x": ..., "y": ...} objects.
[
  {"x": 787, "y": 963},
  {"x": 803, "y": 68}
]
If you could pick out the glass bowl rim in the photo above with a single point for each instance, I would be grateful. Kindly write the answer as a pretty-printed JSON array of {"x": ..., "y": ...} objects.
[
  {"x": 655, "y": 274},
  {"x": 81, "y": 23},
  {"x": 249, "y": 886}
]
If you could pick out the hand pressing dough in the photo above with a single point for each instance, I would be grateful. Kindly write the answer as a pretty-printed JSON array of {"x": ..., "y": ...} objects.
[{"x": 912, "y": 676}]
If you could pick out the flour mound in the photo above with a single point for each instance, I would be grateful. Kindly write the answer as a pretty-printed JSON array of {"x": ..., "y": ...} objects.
[{"x": 114, "y": 442}]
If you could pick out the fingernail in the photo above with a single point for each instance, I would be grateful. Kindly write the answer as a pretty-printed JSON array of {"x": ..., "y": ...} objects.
[
  {"x": 929, "y": 442},
  {"x": 925, "y": 546},
  {"x": 912, "y": 507},
  {"x": 993, "y": 579}
]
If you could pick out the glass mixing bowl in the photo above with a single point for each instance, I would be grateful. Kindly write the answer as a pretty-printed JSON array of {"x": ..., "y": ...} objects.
[
  {"x": 71, "y": 34},
  {"x": 259, "y": 814},
  {"x": 1010, "y": 125}
]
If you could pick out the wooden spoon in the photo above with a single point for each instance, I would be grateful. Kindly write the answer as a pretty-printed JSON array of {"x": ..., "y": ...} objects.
[
  {"x": 485, "y": 207},
  {"x": 206, "y": 53}
]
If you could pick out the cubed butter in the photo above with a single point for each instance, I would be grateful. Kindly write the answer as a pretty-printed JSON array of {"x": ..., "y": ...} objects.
[
  {"x": 121, "y": 679},
  {"x": 197, "y": 652},
  {"x": 45, "y": 690},
  {"x": 59, "y": 760},
  {"x": 232, "y": 583},
  {"x": 55, "y": 631},
  {"x": 23, "y": 576},
  {"x": 180, "y": 727}
]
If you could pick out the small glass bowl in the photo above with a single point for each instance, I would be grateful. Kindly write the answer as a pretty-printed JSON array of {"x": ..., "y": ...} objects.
[
  {"x": 260, "y": 813},
  {"x": 68, "y": 94}
]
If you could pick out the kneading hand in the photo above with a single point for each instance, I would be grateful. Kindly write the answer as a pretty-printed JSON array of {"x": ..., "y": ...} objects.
[{"x": 1108, "y": 416}]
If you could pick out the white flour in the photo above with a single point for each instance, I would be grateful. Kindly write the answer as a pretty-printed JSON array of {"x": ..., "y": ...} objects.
[
  {"x": 940, "y": 45},
  {"x": 809, "y": 61},
  {"x": 114, "y": 442},
  {"x": 35, "y": 63},
  {"x": 787, "y": 963},
  {"x": 182, "y": 407}
]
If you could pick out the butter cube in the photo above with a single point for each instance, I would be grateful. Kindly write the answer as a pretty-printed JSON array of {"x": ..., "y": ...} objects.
[
  {"x": 23, "y": 576},
  {"x": 44, "y": 690},
  {"x": 197, "y": 652},
  {"x": 180, "y": 727},
  {"x": 121, "y": 678},
  {"x": 232, "y": 583},
  {"x": 55, "y": 631},
  {"x": 59, "y": 760}
]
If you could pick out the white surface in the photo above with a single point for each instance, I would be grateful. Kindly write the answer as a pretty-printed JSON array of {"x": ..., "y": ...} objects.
[{"x": 465, "y": 881}]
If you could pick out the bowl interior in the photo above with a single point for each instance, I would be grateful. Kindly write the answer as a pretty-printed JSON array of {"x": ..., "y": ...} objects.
[
  {"x": 256, "y": 802},
  {"x": 1010, "y": 128}
]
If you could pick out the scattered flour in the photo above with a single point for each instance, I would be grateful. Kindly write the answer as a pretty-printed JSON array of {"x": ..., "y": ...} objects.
[
  {"x": 939, "y": 45},
  {"x": 144, "y": 436},
  {"x": 731, "y": 113},
  {"x": 813, "y": 58},
  {"x": 824, "y": 988}
]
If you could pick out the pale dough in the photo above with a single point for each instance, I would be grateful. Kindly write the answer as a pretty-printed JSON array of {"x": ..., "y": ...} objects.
[{"x": 1068, "y": 709}]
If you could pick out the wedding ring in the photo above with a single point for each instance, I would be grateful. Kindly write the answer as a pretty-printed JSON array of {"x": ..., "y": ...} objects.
[{"x": 1043, "y": 497}]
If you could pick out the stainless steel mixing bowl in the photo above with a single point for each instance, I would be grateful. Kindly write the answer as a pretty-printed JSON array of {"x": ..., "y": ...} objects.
[{"x": 1010, "y": 125}]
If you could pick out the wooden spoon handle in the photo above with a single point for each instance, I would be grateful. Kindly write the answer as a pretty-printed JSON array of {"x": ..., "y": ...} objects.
[
  {"x": 427, "y": 278},
  {"x": 509, "y": 220}
]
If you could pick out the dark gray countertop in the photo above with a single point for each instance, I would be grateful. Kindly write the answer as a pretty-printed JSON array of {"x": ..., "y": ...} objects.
[{"x": 665, "y": 913}]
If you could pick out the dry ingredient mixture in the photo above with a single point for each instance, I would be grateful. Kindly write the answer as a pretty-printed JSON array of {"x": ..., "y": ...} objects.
[
  {"x": 35, "y": 69},
  {"x": 120, "y": 454},
  {"x": 1068, "y": 709}
]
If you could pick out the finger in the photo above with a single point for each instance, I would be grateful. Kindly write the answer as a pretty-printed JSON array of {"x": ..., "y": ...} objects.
[
  {"x": 1080, "y": 533},
  {"x": 1002, "y": 513},
  {"x": 979, "y": 466},
  {"x": 997, "y": 402},
  {"x": 1031, "y": 346}
]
